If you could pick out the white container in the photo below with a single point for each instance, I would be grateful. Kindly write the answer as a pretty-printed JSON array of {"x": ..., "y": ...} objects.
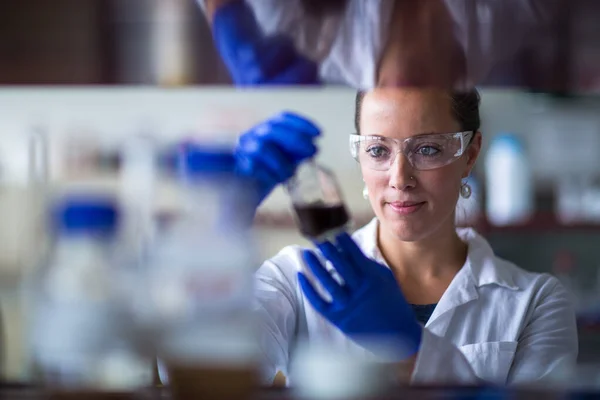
[
  {"x": 509, "y": 183},
  {"x": 80, "y": 331},
  {"x": 198, "y": 276},
  {"x": 322, "y": 372},
  {"x": 569, "y": 198}
]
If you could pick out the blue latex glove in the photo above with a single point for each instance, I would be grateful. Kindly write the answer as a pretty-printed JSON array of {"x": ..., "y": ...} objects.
[
  {"x": 269, "y": 153},
  {"x": 369, "y": 304},
  {"x": 253, "y": 58}
]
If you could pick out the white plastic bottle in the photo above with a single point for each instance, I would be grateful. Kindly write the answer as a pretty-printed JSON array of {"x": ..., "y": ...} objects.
[
  {"x": 80, "y": 337},
  {"x": 200, "y": 279},
  {"x": 509, "y": 183},
  {"x": 323, "y": 372}
]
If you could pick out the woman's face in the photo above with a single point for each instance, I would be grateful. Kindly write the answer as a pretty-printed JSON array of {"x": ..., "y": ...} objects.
[{"x": 413, "y": 204}]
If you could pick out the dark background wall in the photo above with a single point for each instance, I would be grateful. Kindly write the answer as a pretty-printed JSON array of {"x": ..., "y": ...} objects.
[{"x": 95, "y": 42}]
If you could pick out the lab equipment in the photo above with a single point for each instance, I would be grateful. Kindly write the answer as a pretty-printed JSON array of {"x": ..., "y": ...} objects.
[
  {"x": 325, "y": 373},
  {"x": 254, "y": 58},
  {"x": 568, "y": 206},
  {"x": 138, "y": 179},
  {"x": 369, "y": 306},
  {"x": 317, "y": 202},
  {"x": 423, "y": 152},
  {"x": 199, "y": 283},
  {"x": 80, "y": 333},
  {"x": 509, "y": 181},
  {"x": 577, "y": 198},
  {"x": 591, "y": 200},
  {"x": 269, "y": 153}
]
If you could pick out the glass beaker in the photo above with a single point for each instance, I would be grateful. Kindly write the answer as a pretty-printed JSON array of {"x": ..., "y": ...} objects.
[{"x": 319, "y": 208}]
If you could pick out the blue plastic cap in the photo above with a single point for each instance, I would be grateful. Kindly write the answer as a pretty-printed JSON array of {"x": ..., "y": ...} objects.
[
  {"x": 195, "y": 160},
  {"x": 509, "y": 140},
  {"x": 86, "y": 215}
]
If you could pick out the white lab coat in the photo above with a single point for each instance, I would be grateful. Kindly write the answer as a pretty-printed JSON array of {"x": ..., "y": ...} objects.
[
  {"x": 348, "y": 45},
  {"x": 495, "y": 322}
]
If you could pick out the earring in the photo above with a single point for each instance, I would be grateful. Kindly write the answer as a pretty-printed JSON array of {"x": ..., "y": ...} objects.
[
  {"x": 465, "y": 190},
  {"x": 365, "y": 193}
]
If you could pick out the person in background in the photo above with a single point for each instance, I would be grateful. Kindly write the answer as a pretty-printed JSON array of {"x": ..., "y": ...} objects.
[
  {"x": 451, "y": 309},
  {"x": 374, "y": 43}
]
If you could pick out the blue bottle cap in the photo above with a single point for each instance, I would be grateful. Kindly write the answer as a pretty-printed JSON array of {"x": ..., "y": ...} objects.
[
  {"x": 195, "y": 160},
  {"x": 86, "y": 215}
]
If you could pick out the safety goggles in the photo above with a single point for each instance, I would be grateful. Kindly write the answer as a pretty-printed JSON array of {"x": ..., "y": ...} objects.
[{"x": 423, "y": 152}]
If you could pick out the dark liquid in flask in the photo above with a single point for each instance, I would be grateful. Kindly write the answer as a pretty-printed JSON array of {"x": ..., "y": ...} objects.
[{"x": 314, "y": 220}]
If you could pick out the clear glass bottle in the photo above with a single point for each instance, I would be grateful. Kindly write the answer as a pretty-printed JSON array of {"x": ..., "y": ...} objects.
[
  {"x": 318, "y": 205},
  {"x": 200, "y": 279},
  {"x": 80, "y": 335}
]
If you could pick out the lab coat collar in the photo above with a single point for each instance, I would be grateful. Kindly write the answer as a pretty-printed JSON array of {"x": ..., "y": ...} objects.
[
  {"x": 481, "y": 267},
  {"x": 483, "y": 264}
]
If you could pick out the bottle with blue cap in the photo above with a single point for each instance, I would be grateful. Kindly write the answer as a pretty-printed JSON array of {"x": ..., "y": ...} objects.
[
  {"x": 80, "y": 338},
  {"x": 211, "y": 191},
  {"x": 200, "y": 278}
]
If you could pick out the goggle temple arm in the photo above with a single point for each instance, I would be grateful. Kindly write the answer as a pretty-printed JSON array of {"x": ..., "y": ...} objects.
[{"x": 465, "y": 137}]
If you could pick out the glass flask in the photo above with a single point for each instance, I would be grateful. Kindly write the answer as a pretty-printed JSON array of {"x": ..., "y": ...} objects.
[{"x": 317, "y": 201}]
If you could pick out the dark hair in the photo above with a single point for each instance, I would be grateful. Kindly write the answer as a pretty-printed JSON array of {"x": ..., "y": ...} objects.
[{"x": 465, "y": 108}]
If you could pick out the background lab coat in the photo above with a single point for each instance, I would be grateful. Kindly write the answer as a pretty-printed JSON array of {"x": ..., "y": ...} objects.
[
  {"x": 348, "y": 45},
  {"x": 495, "y": 321}
]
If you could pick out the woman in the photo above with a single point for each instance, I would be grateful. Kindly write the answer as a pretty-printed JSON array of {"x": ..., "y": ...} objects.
[{"x": 410, "y": 277}]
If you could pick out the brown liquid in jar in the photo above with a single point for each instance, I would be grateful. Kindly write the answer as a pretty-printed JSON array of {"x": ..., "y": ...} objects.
[{"x": 315, "y": 220}]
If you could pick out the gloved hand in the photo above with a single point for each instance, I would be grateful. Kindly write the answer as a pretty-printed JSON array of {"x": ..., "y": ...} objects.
[
  {"x": 269, "y": 153},
  {"x": 368, "y": 305},
  {"x": 253, "y": 58}
]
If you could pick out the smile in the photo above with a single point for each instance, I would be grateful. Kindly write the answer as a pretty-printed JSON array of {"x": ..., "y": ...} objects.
[{"x": 406, "y": 208}]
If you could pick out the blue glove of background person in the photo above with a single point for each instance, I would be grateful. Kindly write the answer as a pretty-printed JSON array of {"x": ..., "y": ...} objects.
[
  {"x": 368, "y": 305},
  {"x": 253, "y": 58},
  {"x": 269, "y": 153}
]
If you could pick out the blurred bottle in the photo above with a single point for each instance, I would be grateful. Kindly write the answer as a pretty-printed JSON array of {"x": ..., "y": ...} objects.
[
  {"x": 591, "y": 199},
  {"x": 138, "y": 182},
  {"x": 320, "y": 372},
  {"x": 79, "y": 329},
  {"x": 199, "y": 278},
  {"x": 509, "y": 183},
  {"x": 569, "y": 198}
]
